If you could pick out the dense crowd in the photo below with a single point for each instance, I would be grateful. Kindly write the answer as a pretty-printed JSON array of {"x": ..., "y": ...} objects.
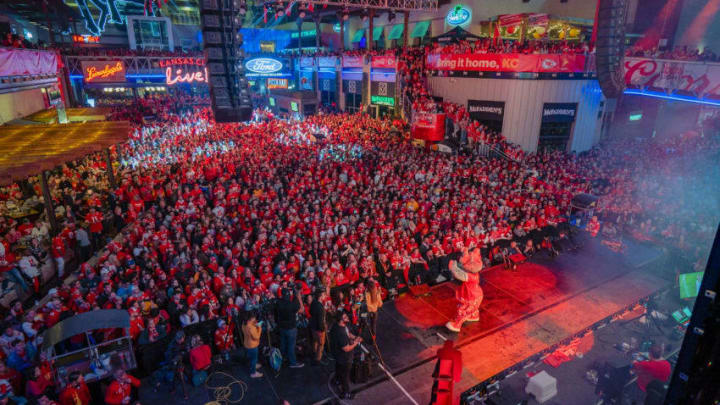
[
  {"x": 216, "y": 221},
  {"x": 488, "y": 45}
]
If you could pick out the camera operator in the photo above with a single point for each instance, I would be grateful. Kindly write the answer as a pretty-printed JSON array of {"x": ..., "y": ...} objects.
[
  {"x": 252, "y": 330},
  {"x": 173, "y": 371},
  {"x": 318, "y": 325},
  {"x": 286, "y": 310},
  {"x": 342, "y": 344}
]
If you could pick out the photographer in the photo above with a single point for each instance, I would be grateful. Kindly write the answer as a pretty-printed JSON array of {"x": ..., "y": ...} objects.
[
  {"x": 342, "y": 344},
  {"x": 252, "y": 330},
  {"x": 286, "y": 311}
]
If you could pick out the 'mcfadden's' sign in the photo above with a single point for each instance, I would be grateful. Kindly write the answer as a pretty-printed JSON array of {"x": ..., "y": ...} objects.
[
  {"x": 263, "y": 66},
  {"x": 458, "y": 15}
]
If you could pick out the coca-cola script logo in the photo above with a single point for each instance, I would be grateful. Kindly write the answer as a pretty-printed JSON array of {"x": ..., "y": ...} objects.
[{"x": 263, "y": 65}]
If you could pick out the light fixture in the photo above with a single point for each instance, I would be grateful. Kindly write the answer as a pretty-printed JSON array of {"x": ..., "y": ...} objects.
[
  {"x": 364, "y": 15},
  {"x": 391, "y": 16}
]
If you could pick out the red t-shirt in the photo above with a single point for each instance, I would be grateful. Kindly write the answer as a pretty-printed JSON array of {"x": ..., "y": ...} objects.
[
  {"x": 651, "y": 370},
  {"x": 200, "y": 357}
]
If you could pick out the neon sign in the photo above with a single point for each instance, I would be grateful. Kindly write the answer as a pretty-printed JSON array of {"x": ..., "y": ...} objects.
[
  {"x": 275, "y": 83},
  {"x": 178, "y": 76},
  {"x": 86, "y": 39},
  {"x": 459, "y": 15},
  {"x": 263, "y": 66},
  {"x": 182, "y": 62},
  {"x": 104, "y": 71},
  {"x": 382, "y": 100}
]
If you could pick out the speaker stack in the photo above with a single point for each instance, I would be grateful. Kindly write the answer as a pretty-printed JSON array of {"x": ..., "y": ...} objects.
[
  {"x": 610, "y": 46},
  {"x": 221, "y": 23}
]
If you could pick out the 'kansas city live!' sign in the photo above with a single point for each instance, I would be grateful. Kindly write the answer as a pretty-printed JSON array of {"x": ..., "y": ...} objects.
[
  {"x": 103, "y": 72},
  {"x": 181, "y": 62},
  {"x": 263, "y": 66}
]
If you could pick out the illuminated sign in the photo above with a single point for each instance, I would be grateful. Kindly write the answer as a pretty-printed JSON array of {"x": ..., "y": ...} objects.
[
  {"x": 86, "y": 39},
  {"x": 178, "y": 76},
  {"x": 382, "y": 100},
  {"x": 635, "y": 117},
  {"x": 103, "y": 72},
  {"x": 304, "y": 34},
  {"x": 272, "y": 102},
  {"x": 182, "y": 62},
  {"x": 336, "y": 27},
  {"x": 263, "y": 66},
  {"x": 274, "y": 83},
  {"x": 294, "y": 106},
  {"x": 459, "y": 15}
]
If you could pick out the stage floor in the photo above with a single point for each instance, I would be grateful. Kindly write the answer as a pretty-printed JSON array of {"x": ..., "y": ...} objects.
[{"x": 523, "y": 313}]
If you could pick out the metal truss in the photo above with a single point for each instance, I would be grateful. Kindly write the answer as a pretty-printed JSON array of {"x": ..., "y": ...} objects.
[
  {"x": 133, "y": 64},
  {"x": 398, "y": 5}
]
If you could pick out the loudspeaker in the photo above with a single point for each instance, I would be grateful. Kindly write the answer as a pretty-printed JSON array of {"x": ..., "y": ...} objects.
[
  {"x": 221, "y": 23},
  {"x": 610, "y": 46}
]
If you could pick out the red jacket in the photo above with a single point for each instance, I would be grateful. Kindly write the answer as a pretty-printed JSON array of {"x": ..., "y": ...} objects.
[
  {"x": 117, "y": 392},
  {"x": 75, "y": 396}
]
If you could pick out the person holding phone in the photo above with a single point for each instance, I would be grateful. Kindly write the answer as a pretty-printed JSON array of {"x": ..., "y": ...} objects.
[{"x": 252, "y": 330}]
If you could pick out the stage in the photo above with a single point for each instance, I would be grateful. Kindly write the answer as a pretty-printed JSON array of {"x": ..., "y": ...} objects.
[
  {"x": 524, "y": 312},
  {"x": 544, "y": 303}
]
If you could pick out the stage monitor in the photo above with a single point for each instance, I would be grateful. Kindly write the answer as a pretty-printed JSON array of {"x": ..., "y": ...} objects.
[{"x": 690, "y": 284}]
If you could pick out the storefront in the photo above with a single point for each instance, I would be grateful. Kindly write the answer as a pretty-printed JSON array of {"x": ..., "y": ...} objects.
[
  {"x": 118, "y": 82},
  {"x": 327, "y": 80},
  {"x": 511, "y": 93},
  {"x": 488, "y": 113},
  {"x": 383, "y": 85},
  {"x": 557, "y": 126},
  {"x": 352, "y": 83}
]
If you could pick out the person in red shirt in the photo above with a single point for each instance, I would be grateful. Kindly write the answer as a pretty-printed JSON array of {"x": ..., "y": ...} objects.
[
  {"x": 76, "y": 392},
  {"x": 224, "y": 340},
  {"x": 654, "y": 369},
  {"x": 58, "y": 254},
  {"x": 120, "y": 390},
  {"x": 95, "y": 219}
]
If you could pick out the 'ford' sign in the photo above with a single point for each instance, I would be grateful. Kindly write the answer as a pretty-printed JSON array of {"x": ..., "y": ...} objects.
[
  {"x": 263, "y": 65},
  {"x": 459, "y": 15}
]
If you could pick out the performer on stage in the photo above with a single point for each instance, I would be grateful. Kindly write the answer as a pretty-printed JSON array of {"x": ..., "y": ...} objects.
[{"x": 470, "y": 295}]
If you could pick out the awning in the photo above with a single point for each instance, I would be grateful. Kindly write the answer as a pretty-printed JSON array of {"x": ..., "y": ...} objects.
[
  {"x": 396, "y": 32},
  {"x": 377, "y": 33},
  {"x": 420, "y": 29},
  {"x": 358, "y": 35},
  {"x": 85, "y": 322}
]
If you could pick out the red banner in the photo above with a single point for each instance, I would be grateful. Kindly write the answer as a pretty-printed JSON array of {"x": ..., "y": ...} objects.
[
  {"x": 508, "y": 20},
  {"x": 352, "y": 61},
  {"x": 384, "y": 61},
  {"x": 103, "y": 72},
  {"x": 511, "y": 62},
  {"x": 21, "y": 62},
  {"x": 428, "y": 126}
]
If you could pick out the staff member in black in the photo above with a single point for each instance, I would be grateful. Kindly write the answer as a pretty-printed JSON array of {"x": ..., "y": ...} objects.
[
  {"x": 343, "y": 343},
  {"x": 317, "y": 325}
]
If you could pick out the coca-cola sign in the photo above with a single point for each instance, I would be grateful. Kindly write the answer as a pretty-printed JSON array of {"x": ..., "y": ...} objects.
[
  {"x": 263, "y": 66},
  {"x": 695, "y": 77}
]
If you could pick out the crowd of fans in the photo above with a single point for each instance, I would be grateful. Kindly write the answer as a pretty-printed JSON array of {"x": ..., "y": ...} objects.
[
  {"x": 218, "y": 224},
  {"x": 488, "y": 45}
]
